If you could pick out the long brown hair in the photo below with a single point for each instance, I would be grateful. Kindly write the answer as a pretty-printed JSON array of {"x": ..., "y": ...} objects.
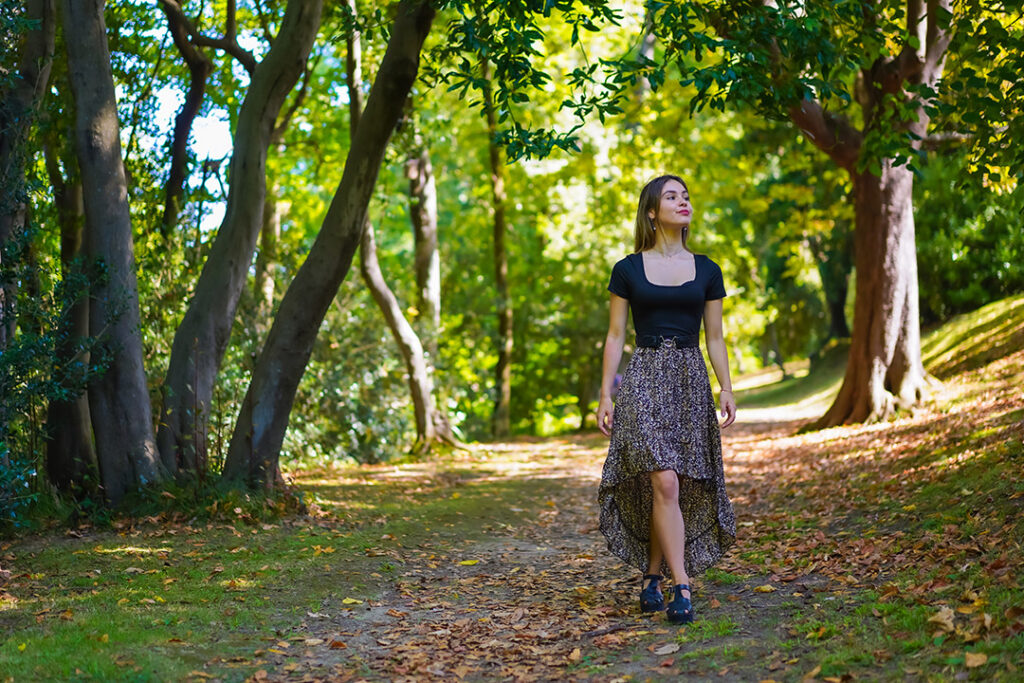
[{"x": 650, "y": 200}]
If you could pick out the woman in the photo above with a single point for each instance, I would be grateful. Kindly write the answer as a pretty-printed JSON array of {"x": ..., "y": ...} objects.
[{"x": 662, "y": 495}]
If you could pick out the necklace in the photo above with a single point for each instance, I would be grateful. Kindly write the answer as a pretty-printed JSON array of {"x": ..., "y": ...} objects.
[{"x": 672, "y": 255}]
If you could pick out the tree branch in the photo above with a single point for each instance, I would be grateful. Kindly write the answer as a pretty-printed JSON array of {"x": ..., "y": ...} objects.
[
  {"x": 227, "y": 43},
  {"x": 937, "y": 40},
  {"x": 831, "y": 134}
]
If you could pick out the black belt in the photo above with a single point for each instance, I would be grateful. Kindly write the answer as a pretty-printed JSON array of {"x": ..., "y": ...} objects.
[{"x": 680, "y": 341}]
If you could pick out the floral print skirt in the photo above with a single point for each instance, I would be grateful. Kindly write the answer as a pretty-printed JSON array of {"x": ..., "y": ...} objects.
[{"x": 665, "y": 420}]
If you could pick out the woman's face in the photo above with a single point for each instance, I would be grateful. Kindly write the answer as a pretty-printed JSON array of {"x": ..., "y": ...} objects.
[{"x": 674, "y": 208}]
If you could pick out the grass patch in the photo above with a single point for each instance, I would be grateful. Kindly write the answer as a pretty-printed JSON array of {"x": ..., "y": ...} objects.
[
  {"x": 158, "y": 602},
  {"x": 723, "y": 578},
  {"x": 801, "y": 389},
  {"x": 708, "y": 629},
  {"x": 974, "y": 339}
]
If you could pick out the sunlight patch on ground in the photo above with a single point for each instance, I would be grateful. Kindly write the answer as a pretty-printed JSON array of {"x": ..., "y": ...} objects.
[
  {"x": 809, "y": 408},
  {"x": 770, "y": 375},
  {"x": 131, "y": 550}
]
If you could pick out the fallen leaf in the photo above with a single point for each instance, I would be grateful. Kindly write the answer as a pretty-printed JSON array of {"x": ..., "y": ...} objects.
[
  {"x": 338, "y": 645},
  {"x": 975, "y": 659},
  {"x": 943, "y": 618},
  {"x": 351, "y": 601},
  {"x": 469, "y": 563},
  {"x": 767, "y": 588},
  {"x": 576, "y": 656},
  {"x": 667, "y": 649},
  {"x": 812, "y": 673}
]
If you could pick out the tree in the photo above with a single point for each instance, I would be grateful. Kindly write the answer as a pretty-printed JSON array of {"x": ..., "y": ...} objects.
[
  {"x": 199, "y": 68},
  {"x": 423, "y": 215},
  {"x": 119, "y": 399},
  {"x": 70, "y": 454},
  {"x": 801, "y": 62},
  {"x": 431, "y": 423},
  {"x": 252, "y": 458},
  {"x": 19, "y": 101},
  {"x": 203, "y": 335},
  {"x": 500, "y": 422}
]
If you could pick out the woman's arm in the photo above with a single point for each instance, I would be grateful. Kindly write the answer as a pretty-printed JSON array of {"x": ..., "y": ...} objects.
[
  {"x": 719, "y": 358},
  {"x": 613, "y": 344}
]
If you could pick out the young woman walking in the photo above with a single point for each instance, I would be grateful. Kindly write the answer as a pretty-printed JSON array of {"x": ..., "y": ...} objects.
[{"x": 662, "y": 496}]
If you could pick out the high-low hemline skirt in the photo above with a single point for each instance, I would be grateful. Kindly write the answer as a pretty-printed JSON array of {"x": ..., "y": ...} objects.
[{"x": 665, "y": 420}]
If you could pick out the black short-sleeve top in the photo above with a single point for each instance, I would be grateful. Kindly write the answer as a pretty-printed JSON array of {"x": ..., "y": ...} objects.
[{"x": 666, "y": 311}]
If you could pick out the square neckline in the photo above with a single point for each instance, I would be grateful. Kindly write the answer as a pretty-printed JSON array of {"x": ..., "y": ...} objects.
[{"x": 643, "y": 272}]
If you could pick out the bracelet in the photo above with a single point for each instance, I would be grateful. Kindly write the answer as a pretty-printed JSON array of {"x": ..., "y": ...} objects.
[{"x": 721, "y": 390}]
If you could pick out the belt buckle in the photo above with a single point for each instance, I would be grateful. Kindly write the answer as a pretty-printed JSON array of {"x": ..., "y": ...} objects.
[{"x": 671, "y": 339}]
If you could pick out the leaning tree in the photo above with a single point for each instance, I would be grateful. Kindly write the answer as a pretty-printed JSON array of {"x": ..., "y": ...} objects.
[{"x": 862, "y": 80}]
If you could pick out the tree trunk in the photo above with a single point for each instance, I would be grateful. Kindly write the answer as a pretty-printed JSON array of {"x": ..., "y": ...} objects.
[
  {"x": 202, "y": 338},
  {"x": 833, "y": 255},
  {"x": 17, "y": 111},
  {"x": 420, "y": 384},
  {"x": 773, "y": 342},
  {"x": 252, "y": 458},
  {"x": 884, "y": 368},
  {"x": 119, "y": 399},
  {"x": 500, "y": 420},
  {"x": 70, "y": 456},
  {"x": 431, "y": 425},
  {"x": 423, "y": 213},
  {"x": 199, "y": 68}
]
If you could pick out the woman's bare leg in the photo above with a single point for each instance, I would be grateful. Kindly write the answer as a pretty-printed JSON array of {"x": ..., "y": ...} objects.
[
  {"x": 654, "y": 558},
  {"x": 667, "y": 525},
  {"x": 656, "y": 555}
]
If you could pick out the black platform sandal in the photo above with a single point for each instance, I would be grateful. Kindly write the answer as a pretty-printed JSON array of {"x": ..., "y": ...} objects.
[
  {"x": 680, "y": 610},
  {"x": 651, "y": 599}
]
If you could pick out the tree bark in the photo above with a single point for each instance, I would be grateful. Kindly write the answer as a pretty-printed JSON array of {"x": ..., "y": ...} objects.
[
  {"x": 427, "y": 263},
  {"x": 252, "y": 458},
  {"x": 501, "y": 419},
  {"x": 17, "y": 111},
  {"x": 199, "y": 68},
  {"x": 119, "y": 399},
  {"x": 70, "y": 455},
  {"x": 834, "y": 261},
  {"x": 202, "y": 338},
  {"x": 884, "y": 368}
]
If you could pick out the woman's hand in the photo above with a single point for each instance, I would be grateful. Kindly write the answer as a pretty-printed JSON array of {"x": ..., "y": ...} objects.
[
  {"x": 728, "y": 405},
  {"x": 605, "y": 411}
]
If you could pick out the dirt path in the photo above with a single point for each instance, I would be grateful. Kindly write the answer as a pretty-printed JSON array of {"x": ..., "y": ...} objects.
[{"x": 544, "y": 600}]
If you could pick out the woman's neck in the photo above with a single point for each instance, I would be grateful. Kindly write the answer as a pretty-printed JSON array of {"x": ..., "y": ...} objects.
[{"x": 669, "y": 242}]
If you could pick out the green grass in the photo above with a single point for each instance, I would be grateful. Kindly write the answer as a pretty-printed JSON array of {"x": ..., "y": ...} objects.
[
  {"x": 160, "y": 602},
  {"x": 708, "y": 629},
  {"x": 974, "y": 339}
]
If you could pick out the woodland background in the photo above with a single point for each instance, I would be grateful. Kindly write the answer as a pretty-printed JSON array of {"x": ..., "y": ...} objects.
[{"x": 180, "y": 315}]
